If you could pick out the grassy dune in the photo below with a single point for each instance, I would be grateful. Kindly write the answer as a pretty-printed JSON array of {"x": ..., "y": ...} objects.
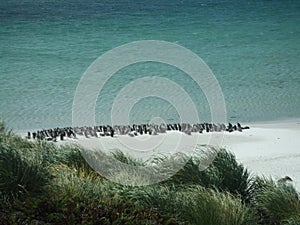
[{"x": 41, "y": 183}]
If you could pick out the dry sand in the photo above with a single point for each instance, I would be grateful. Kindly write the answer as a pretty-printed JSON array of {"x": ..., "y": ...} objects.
[{"x": 269, "y": 149}]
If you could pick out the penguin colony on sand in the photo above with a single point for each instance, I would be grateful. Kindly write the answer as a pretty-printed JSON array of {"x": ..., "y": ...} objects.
[{"x": 134, "y": 130}]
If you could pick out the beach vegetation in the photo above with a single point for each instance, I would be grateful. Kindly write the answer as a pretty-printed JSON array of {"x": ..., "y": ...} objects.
[
  {"x": 224, "y": 173},
  {"x": 276, "y": 202},
  {"x": 22, "y": 172}
]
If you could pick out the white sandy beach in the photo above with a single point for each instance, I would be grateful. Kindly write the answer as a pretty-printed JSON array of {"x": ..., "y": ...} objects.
[{"x": 269, "y": 149}]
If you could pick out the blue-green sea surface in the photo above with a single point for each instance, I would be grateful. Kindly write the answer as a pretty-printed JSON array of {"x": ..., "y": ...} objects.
[{"x": 252, "y": 47}]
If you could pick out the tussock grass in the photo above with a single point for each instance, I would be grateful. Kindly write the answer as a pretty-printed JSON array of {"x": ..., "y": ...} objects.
[
  {"x": 197, "y": 205},
  {"x": 102, "y": 200},
  {"x": 224, "y": 173},
  {"x": 41, "y": 183},
  {"x": 126, "y": 159},
  {"x": 20, "y": 171},
  {"x": 277, "y": 202},
  {"x": 70, "y": 183}
]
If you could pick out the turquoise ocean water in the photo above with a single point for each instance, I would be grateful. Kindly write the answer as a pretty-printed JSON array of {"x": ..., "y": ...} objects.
[{"x": 252, "y": 47}]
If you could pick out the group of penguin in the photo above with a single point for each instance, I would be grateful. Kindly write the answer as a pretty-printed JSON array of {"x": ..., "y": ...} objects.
[{"x": 131, "y": 130}]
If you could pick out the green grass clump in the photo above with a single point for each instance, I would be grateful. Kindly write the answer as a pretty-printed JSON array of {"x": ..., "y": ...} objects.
[
  {"x": 123, "y": 158},
  {"x": 276, "y": 202},
  {"x": 20, "y": 172},
  {"x": 197, "y": 205},
  {"x": 224, "y": 173}
]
